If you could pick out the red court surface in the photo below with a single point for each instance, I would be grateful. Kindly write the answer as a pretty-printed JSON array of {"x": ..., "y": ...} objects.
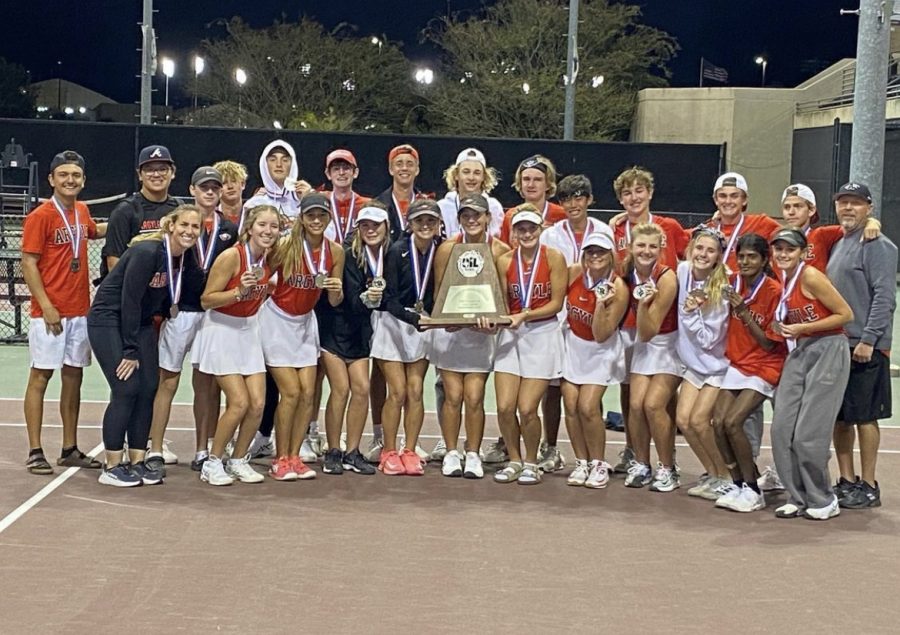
[{"x": 384, "y": 554}]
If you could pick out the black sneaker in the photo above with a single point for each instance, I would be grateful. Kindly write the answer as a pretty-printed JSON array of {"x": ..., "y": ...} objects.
[
  {"x": 844, "y": 487},
  {"x": 156, "y": 464},
  {"x": 197, "y": 463},
  {"x": 862, "y": 496},
  {"x": 333, "y": 461},
  {"x": 356, "y": 462},
  {"x": 148, "y": 473}
]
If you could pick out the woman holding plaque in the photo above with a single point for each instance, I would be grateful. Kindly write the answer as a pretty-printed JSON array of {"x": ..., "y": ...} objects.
[
  {"x": 307, "y": 263},
  {"x": 703, "y": 308},
  {"x": 398, "y": 346},
  {"x": 810, "y": 316},
  {"x": 465, "y": 356},
  {"x": 529, "y": 352},
  {"x": 595, "y": 354},
  {"x": 228, "y": 343},
  {"x": 651, "y": 323},
  {"x": 145, "y": 283},
  {"x": 345, "y": 337}
]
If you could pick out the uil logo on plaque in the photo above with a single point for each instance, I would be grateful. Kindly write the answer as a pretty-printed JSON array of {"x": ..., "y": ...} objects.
[{"x": 470, "y": 289}]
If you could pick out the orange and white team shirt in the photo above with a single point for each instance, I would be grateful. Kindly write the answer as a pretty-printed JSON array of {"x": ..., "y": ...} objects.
[
  {"x": 760, "y": 224},
  {"x": 797, "y": 308},
  {"x": 297, "y": 294},
  {"x": 248, "y": 304},
  {"x": 581, "y": 303},
  {"x": 552, "y": 214},
  {"x": 674, "y": 240},
  {"x": 741, "y": 348},
  {"x": 46, "y": 234},
  {"x": 343, "y": 215},
  {"x": 534, "y": 279},
  {"x": 670, "y": 321}
]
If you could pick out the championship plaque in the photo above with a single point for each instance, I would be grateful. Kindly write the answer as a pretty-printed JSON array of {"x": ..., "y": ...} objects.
[{"x": 470, "y": 289}]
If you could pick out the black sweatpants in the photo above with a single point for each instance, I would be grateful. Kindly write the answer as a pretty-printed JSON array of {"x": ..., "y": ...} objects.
[{"x": 130, "y": 408}]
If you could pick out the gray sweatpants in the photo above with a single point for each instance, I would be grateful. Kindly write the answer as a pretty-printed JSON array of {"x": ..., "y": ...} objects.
[
  {"x": 753, "y": 428},
  {"x": 807, "y": 402}
]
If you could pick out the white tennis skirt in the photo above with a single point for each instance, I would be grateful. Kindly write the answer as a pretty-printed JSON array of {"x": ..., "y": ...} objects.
[
  {"x": 463, "y": 351},
  {"x": 228, "y": 345},
  {"x": 533, "y": 351},
  {"x": 176, "y": 338},
  {"x": 593, "y": 363},
  {"x": 698, "y": 381},
  {"x": 396, "y": 341},
  {"x": 657, "y": 357},
  {"x": 736, "y": 380},
  {"x": 288, "y": 341}
]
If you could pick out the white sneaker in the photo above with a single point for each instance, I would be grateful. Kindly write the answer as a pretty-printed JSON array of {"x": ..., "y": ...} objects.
[
  {"x": 422, "y": 454},
  {"x": 373, "y": 454},
  {"x": 580, "y": 474},
  {"x": 665, "y": 479},
  {"x": 308, "y": 452},
  {"x": 718, "y": 487},
  {"x": 748, "y": 500},
  {"x": 214, "y": 473},
  {"x": 638, "y": 474},
  {"x": 473, "y": 466},
  {"x": 262, "y": 447},
  {"x": 823, "y": 513},
  {"x": 701, "y": 487},
  {"x": 769, "y": 481},
  {"x": 730, "y": 498},
  {"x": 599, "y": 476},
  {"x": 452, "y": 465},
  {"x": 169, "y": 457},
  {"x": 551, "y": 459},
  {"x": 439, "y": 451},
  {"x": 240, "y": 469},
  {"x": 496, "y": 452},
  {"x": 626, "y": 456}
]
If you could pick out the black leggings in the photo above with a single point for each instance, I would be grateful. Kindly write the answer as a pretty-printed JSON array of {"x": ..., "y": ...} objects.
[
  {"x": 130, "y": 406},
  {"x": 268, "y": 418}
]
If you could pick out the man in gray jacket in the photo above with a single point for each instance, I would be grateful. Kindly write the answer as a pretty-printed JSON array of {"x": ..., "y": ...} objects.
[{"x": 865, "y": 274}]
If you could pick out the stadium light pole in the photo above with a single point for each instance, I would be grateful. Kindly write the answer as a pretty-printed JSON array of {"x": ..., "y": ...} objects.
[
  {"x": 199, "y": 66},
  {"x": 240, "y": 76},
  {"x": 168, "y": 69},
  {"x": 762, "y": 61}
]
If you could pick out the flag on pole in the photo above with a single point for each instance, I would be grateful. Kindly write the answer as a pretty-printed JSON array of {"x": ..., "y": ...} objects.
[{"x": 713, "y": 72}]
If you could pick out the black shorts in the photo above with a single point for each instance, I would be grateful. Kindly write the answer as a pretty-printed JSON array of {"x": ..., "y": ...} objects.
[{"x": 868, "y": 394}]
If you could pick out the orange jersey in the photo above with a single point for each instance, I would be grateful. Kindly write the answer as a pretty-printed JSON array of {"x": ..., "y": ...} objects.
[
  {"x": 819, "y": 242},
  {"x": 44, "y": 234},
  {"x": 297, "y": 294},
  {"x": 346, "y": 214},
  {"x": 581, "y": 303},
  {"x": 741, "y": 348},
  {"x": 674, "y": 240},
  {"x": 802, "y": 309},
  {"x": 552, "y": 214},
  {"x": 760, "y": 224},
  {"x": 540, "y": 294},
  {"x": 250, "y": 303},
  {"x": 669, "y": 323}
]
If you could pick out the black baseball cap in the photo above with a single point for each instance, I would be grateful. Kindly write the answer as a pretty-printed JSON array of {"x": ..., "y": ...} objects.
[
  {"x": 422, "y": 207},
  {"x": 66, "y": 157},
  {"x": 854, "y": 188},
  {"x": 204, "y": 174},
  {"x": 315, "y": 200},
  {"x": 473, "y": 201},
  {"x": 154, "y": 153},
  {"x": 791, "y": 236}
]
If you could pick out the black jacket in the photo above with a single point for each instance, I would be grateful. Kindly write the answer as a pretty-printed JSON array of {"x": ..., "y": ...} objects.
[
  {"x": 194, "y": 279},
  {"x": 393, "y": 213},
  {"x": 400, "y": 294}
]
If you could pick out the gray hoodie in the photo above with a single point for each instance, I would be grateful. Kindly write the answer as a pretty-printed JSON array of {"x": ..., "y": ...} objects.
[{"x": 284, "y": 199}]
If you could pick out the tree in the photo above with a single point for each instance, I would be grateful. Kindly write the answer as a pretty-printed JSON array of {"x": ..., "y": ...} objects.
[
  {"x": 504, "y": 69},
  {"x": 304, "y": 77},
  {"x": 16, "y": 99}
]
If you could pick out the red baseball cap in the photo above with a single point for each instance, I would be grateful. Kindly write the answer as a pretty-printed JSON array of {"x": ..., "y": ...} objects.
[
  {"x": 340, "y": 155},
  {"x": 402, "y": 149}
]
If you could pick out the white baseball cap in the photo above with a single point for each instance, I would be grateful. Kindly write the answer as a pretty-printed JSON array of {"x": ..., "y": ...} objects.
[
  {"x": 598, "y": 239},
  {"x": 527, "y": 215},
  {"x": 374, "y": 214},
  {"x": 732, "y": 179},
  {"x": 471, "y": 154},
  {"x": 803, "y": 191}
]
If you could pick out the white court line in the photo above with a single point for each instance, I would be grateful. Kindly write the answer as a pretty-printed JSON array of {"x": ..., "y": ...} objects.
[{"x": 43, "y": 493}]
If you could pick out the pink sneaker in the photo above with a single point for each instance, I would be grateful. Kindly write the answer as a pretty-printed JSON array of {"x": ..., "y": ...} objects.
[
  {"x": 411, "y": 463},
  {"x": 301, "y": 469},
  {"x": 391, "y": 463},
  {"x": 282, "y": 469}
]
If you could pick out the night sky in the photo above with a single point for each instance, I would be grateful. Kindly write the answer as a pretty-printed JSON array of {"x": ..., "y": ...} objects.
[{"x": 95, "y": 40}]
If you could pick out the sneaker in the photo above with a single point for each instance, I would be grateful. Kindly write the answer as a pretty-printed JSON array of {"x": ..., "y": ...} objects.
[
  {"x": 169, "y": 457},
  {"x": 282, "y": 469},
  {"x": 373, "y": 454},
  {"x": 638, "y": 474},
  {"x": 701, "y": 486},
  {"x": 510, "y": 473},
  {"x": 496, "y": 452},
  {"x": 452, "y": 464},
  {"x": 718, "y": 487},
  {"x": 474, "y": 468},
  {"x": 214, "y": 473},
  {"x": 748, "y": 500},
  {"x": 439, "y": 451},
  {"x": 316, "y": 443},
  {"x": 120, "y": 476},
  {"x": 769, "y": 481},
  {"x": 843, "y": 487},
  {"x": 412, "y": 462},
  {"x": 240, "y": 469},
  {"x": 830, "y": 510},
  {"x": 151, "y": 473},
  {"x": 420, "y": 452},
  {"x": 615, "y": 421},
  {"x": 626, "y": 456},
  {"x": 156, "y": 463},
  {"x": 391, "y": 464},
  {"x": 307, "y": 452},
  {"x": 530, "y": 474},
  {"x": 599, "y": 476},
  {"x": 665, "y": 479},
  {"x": 355, "y": 462},
  {"x": 262, "y": 447},
  {"x": 788, "y": 510},
  {"x": 862, "y": 496},
  {"x": 199, "y": 460},
  {"x": 730, "y": 498},
  {"x": 580, "y": 474},
  {"x": 301, "y": 469},
  {"x": 334, "y": 462},
  {"x": 551, "y": 460}
]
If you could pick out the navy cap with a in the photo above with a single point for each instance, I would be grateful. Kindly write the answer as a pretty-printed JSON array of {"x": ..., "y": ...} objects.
[
  {"x": 854, "y": 188},
  {"x": 205, "y": 174},
  {"x": 66, "y": 157},
  {"x": 423, "y": 206},
  {"x": 315, "y": 200},
  {"x": 791, "y": 236},
  {"x": 155, "y": 153}
]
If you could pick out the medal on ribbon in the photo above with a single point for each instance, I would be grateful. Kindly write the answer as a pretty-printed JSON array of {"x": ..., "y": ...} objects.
[
  {"x": 73, "y": 234},
  {"x": 254, "y": 267},
  {"x": 173, "y": 278},
  {"x": 527, "y": 288},
  {"x": 342, "y": 229},
  {"x": 376, "y": 268},
  {"x": 206, "y": 248},
  {"x": 420, "y": 278},
  {"x": 317, "y": 271}
]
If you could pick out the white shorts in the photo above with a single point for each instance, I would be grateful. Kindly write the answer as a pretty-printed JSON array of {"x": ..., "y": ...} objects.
[
  {"x": 288, "y": 341},
  {"x": 657, "y": 357},
  {"x": 698, "y": 381},
  {"x": 533, "y": 351},
  {"x": 52, "y": 352},
  {"x": 396, "y": 341},
  {"x": 176, "y": 339},
  {"x": 628, "y": 337},
  {"x": 463, "y": 351},
  {"x": 228, "y": 345},
  {"x": 736, "y": 380},
  {"x": 593, "y": 363}
]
